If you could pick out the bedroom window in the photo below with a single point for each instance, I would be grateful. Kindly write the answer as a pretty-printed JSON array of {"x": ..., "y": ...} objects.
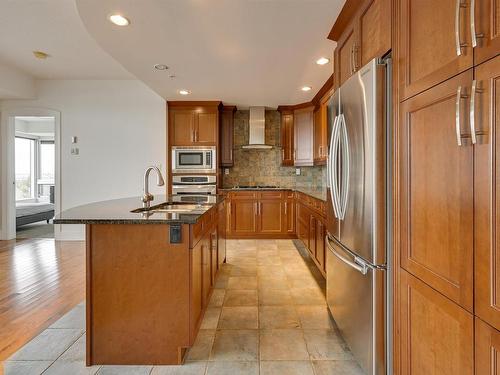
[{"x": 25, "y": 168}]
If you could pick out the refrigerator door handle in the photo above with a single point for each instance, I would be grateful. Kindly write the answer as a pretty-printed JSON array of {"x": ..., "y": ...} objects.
[
  {"x": 358, "y": 264},
  {"x": 334, "y": 140},
  {"x": 344, "y": 140}
]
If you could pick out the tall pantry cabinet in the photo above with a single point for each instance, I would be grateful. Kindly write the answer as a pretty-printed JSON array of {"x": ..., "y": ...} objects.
[{"x": 449, "y": 168}]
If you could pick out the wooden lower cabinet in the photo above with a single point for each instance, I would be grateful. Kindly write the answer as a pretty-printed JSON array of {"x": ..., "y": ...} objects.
[
  {"x": 206, "y": 268},
  {"x": 243, "y": 217},
  {"x": 270, "y": 216},
  {"x": 196, "y": 290},
  {"x": 487, "y": 349},
  {"x": 436, "y": 334},
  {"x": 320, "y": 245},
  {"x": 290, "y": 213}
]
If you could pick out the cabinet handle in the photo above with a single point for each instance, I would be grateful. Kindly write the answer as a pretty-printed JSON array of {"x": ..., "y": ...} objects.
[
  {"x": 286, "y": 207},
  {"x": 256, "y": 210},
  {"x": 458, "y": 44},
  {"x": 474, "y": 36},
  {"x": 354, "y": 58},
  {"x": 460, "y": 96},
  {"x": 472, "y": 109},
  {"x": 282, "y": 154},
  {"x": 350, "y": 60}
]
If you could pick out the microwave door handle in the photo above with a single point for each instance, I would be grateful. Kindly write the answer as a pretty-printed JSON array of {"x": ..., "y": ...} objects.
[{"x": 358, "y": 264}]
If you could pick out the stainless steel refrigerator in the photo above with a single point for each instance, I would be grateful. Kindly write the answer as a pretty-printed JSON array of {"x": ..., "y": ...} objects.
[{"x": 358, "y": 215}]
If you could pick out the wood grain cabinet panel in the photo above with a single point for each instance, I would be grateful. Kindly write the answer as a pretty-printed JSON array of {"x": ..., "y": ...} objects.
[
  {"x": 290, "y": 214},
  {"x": 320, "y": 244},
  {"x": 487, "y": 24},
  {"x": 320, "y": 130},
  {"x": 437, "y": 192},
  {"x": 196, "y": 290},
  {"x": 487, "y": 349},
  {"x": 374, "y": 30},
  {"x": 487, "y": 193},
  {"x": 243, "y": 216},
  {"x": 437, "y": 335},
  {"x": 206, "y": 129},
  {"x": 182, "y": 123},
  {"x": 270, "y": 216},
  {"x": 287, "y": 142},
  {"x": 226, "y": 136},
  {"x": 344, "y": 53},
  {"x": 303, "y": 123},
  {"x": 428, "y": 43}
]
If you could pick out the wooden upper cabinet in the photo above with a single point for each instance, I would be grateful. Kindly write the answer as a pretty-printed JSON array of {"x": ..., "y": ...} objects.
[
  {"x": 344, "y": 53},
  {"x": 206, "y": 129},
  {"x": 487, "y": 27},
  {"x": 487, "y": 193},
  {"x": 487, "y": 349},
  {"x": 437, "y": 335},
  {"x": 437, "y": 191},
  {"x": 320, "y": 130},
  {"x": 226, "y": 136},
  {"x": 430, "y": 39},
  {"x": 193, "y": 123},
  {"x": 287, "y": 143},
  {"x": 303, "y": 129},
  {"x": 182, "y": 125},
  {"x": 374, "y": 31}
]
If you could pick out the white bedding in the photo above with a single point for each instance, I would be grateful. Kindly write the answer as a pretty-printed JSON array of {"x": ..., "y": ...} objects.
[{"x": 25, "y": 209}]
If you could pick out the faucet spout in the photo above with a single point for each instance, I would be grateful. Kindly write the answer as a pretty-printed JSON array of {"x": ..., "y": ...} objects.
[{"x": 148, "y": 197}]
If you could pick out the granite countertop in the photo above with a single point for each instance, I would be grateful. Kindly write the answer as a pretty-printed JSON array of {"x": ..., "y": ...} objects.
[
  {"x": 117, "y": 211},
  {"x": 315, "y": 192}
]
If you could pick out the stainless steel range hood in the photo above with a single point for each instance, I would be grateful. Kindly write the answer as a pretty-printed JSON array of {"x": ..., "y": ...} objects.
[{"x": 257, "y": 129}]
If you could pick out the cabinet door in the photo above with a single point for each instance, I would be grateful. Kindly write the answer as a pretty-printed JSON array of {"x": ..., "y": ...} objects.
[
  {"x": 270, "y": 216},
  {"x": 487, "y": 193},
  {"x": 214, "y": 264},
  {"x": 290, "y": 215},
  {"x": 317, "y": 136},
  {"x": 374, "y": 30},
  {"x": 428, "y": 43},
  {"x": 182, "y": 125},
  {"x": 221, "y": 233},
  {"x": 206, "y": 129},
  {"x": 287, "y": 143},
  {"x": 344, "y": 53},
  {"x": 196, "y": 289},
  {"x": 437, "y": 191},
  {"x": 303, "y": 126},
  {"x": 487, "y": 345},
  {"x": 320, "y": 244},
  {"x": 226, "y": 137},
  {"x": 206, "y": 265},
  {"x": 487, "y": 24},
  {"x": 312, "y": 236},
  {"x": 243, "y": 216},
  {"x": 437, "y": 335}
]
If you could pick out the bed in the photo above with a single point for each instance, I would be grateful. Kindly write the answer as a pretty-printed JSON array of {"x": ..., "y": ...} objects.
[{"x": 27, "y": 213}]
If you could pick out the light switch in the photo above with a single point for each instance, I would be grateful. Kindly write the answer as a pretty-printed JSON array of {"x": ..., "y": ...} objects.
[
  {"x": 74, "y": 139},
  {"x": 297, "y": 171},
  {"x": 75, "y": 151}
]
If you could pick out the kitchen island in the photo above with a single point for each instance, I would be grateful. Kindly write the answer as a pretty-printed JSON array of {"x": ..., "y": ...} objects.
[{"x": 150, "y": 274}]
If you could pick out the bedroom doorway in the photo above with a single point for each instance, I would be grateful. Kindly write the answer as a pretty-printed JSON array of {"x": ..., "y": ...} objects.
[{"x": 34, "y": 170}]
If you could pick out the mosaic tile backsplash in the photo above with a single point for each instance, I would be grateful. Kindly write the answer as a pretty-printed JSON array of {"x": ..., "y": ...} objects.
[{"x": 263, "y": 167}]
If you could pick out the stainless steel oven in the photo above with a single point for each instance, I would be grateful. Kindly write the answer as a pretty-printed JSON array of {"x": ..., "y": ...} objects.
[
  {"x": 202, "y": 189},
  {"x": 193, "y": 159}
]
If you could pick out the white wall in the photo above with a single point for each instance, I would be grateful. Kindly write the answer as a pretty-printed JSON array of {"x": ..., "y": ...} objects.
[{"x": 121, "y": 129}]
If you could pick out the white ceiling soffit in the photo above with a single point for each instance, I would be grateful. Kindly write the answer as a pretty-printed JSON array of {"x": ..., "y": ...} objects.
[
  {"x": 54, "y": 27},
  {"x": 244, "y": 52}
]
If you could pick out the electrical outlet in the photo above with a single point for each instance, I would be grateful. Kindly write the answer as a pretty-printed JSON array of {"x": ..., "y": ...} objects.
[
  {"x": 75, "y": 151},
  {"x": 297, "y": 171},
  {"x": 226, "y": 170}
]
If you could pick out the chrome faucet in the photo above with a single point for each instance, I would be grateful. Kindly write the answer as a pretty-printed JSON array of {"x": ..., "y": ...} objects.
[{"x": 148, "y": 197}]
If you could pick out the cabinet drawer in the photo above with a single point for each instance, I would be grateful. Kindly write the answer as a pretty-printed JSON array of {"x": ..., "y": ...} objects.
[
  {"x": 270, "y": 194},
  {"x": 243, "y": 194}
]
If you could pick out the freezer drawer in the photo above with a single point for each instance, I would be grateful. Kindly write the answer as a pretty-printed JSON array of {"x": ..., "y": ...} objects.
[{"x": 356, "y": 299}]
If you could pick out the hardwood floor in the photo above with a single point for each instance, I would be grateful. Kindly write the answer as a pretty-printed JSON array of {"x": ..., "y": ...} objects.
[{"x": 40, "y": 280}]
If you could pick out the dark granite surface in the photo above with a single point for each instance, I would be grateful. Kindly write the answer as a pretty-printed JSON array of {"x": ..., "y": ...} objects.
[
  {"x": 117, "y": 211},
  {"x": 318, "y": 193}
]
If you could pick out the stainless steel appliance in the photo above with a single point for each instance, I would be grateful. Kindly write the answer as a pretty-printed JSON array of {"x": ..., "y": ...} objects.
[
  {"x": 357, "y": 218},
  {"x": 193, "y": 159},
  {"x": 199, "y": 188}
]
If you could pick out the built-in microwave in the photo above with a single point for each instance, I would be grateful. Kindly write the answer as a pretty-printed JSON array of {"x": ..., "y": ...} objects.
[{"x": 193, "y": 159}]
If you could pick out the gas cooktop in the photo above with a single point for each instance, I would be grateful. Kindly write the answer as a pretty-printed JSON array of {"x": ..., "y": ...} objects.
[{"x": 256, "y": 187}]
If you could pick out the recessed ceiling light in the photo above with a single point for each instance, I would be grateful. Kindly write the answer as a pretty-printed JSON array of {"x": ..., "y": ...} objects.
[
  {"x": 306, "y": 88},
  {"x": 40, "y": 55},
  {"x": 160, "y": 67},
  {"x": 322, "y": 61},
  {"x": 119, "y": 20},
  {"x": 184, "y": 92}
]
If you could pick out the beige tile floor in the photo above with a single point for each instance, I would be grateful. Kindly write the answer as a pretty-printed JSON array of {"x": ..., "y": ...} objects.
[{"x": 267, "y": 315}]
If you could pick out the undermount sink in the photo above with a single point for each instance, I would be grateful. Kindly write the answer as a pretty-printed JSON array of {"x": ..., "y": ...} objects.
[{"x": 177, "y": 207}]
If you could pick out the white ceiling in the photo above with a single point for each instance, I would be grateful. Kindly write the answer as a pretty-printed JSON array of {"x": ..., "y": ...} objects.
[
  {"x": 52, "y": 26},
  {"x": 244, "y": 52}
]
